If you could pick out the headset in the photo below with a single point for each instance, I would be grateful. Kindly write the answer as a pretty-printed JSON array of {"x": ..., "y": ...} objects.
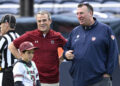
[{"x": 12, "y": 25}]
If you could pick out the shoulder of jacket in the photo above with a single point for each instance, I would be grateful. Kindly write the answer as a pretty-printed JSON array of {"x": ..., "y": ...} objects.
[
  {"x": 31, "y": 32},
  {"x": 104, "y": 26},
  {"x": 55, "y": 33},
  {"x": 5, "y": 37},
  {"x": 18, "y": 63},
  {"x": 76, "y": 29}
]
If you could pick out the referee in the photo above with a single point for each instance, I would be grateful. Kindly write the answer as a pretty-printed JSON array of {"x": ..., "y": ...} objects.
[{"x": 8, "y": 23}]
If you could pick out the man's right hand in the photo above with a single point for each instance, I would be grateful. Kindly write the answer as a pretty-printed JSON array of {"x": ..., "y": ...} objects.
[{"x": 69, "y": 54}]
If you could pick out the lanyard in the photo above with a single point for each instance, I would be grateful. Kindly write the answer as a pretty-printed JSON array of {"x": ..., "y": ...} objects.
[{"x": 33, "y": 77}]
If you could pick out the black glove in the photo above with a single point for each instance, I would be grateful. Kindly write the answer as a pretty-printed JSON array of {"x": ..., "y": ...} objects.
[
  {"x": 18, "y": 83},
  {"x": 38, "y": 83}
]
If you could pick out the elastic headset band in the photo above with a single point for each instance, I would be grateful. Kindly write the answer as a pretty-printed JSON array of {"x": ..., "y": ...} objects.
[
  {"x": 11, "y": 25},
  {"x": 6, "y": 20},
  {"x": 9, "y": 19},
  {"x": 3, "y": 19}
]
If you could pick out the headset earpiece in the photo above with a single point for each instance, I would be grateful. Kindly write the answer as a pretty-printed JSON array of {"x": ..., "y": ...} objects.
[
  {"x": 11, "y": 24},
  {"x": 7, "y": 19},
  {"x": 10, "y": 21}
]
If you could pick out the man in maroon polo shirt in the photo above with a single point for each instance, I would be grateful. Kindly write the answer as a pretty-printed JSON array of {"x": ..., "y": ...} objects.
[{"x": 46, "y": 57}]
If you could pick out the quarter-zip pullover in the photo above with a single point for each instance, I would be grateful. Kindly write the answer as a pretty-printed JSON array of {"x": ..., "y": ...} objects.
[
  {"x": 46, "y": 57},
  {"x": 96, "y": 53}
]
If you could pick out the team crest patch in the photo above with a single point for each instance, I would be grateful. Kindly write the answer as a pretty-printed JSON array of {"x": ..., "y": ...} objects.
[
  {"x": 52, "y": 42},
  {"x": 93, "y": 38},
  {"x": 112, "y": 37},
  {"x": 36, "y": 41},
  {"x": 78, "y": 36}
]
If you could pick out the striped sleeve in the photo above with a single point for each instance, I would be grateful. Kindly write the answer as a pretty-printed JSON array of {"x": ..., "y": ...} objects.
[
  {"x": 7, "y": 59},
  {"x": 17, "y": 73},
  {"x": 2, "y": 44}
]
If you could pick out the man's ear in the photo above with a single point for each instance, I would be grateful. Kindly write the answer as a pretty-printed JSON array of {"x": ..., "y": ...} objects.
[
  {"x": 21, "y": 53},
  {"x": 91, "y": 13},
  {"x": 50, "y": 21}
]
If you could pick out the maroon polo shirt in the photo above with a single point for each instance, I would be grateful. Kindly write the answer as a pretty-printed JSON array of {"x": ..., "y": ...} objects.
[{"x": 46, "y": 57}]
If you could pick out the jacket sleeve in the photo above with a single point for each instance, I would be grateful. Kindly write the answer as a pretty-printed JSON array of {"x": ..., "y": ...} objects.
[
  {"x": 62, "y": 40},
  {"x": 3, "y": 43},
  {"x": 19, "y": 40},
  {"x": 67, "y": 46},
  {"x": 112, "y": 60}
]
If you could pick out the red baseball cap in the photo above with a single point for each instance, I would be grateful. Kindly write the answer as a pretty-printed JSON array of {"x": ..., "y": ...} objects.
[{"x": 26, "y": 46}]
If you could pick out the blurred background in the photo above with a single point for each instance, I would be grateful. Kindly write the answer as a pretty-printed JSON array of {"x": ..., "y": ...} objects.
[
  {"x": 64, "y": 20},
  {"x": 63, "y": 13}
]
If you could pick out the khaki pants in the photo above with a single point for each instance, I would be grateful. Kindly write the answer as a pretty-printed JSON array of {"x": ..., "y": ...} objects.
[{"x": 45, "y": 84}]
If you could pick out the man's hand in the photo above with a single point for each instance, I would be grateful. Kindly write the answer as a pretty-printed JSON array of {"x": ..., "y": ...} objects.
[
  {"x": 69, "y": 54},
  {"x": 106, "y": 75},
  {"x": 61, "y": 59}
]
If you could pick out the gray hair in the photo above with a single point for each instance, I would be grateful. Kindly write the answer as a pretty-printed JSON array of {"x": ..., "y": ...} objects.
[{"x": 44, "y": 12}]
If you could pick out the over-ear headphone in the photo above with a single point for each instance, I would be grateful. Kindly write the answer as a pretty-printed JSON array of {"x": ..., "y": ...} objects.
[
  {"x": 9, "y": 19},
  {"x": 12, "y": 25}
]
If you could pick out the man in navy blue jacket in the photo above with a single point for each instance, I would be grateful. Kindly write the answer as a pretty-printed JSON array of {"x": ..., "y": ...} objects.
[{"x": 93, "y": 50}]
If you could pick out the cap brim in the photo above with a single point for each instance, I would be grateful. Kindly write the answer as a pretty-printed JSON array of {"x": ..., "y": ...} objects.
[{"x": 32, "y": 48}]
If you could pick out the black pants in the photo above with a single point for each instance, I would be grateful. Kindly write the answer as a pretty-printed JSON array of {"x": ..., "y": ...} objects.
[{"x": 8, "y": 79}]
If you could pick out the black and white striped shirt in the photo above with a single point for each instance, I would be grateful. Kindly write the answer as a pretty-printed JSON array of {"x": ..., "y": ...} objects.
[{"x": 7, "y": 59}]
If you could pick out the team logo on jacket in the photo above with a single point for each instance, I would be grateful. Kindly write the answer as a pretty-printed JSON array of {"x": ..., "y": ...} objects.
[
  {"x": 93, "y": 38},
  {"x": 112, "y": 37},
  {"x": 36, "y": 41},
  {"x": 78, "y": 36},
  {"x": 52, "y": 42}
]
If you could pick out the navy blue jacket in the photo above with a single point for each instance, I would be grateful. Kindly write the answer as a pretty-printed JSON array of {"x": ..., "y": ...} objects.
[{"x": 96, "y": 53}]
